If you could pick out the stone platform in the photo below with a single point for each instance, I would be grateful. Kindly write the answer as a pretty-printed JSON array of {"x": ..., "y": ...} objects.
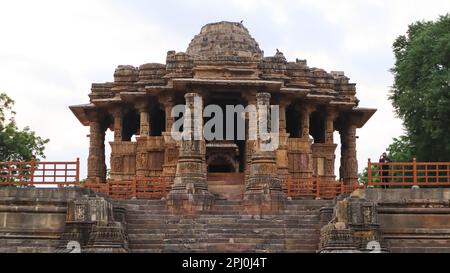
[{"x": 45, "y": 220}]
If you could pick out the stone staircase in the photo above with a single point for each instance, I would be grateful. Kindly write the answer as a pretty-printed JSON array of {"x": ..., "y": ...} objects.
[
  {"x": 33, "y": 244},
  {"x": 226, "y": 228},
  {"x": 227, "y": 186}
]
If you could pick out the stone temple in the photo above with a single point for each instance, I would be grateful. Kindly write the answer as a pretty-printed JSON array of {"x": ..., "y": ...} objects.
[
  {"x": 223, "y": 65},
  {"x": 223, "y": 195}
]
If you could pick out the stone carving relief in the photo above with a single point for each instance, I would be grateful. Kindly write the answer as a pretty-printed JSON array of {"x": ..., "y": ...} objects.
[{"x": 117, "y": 164}]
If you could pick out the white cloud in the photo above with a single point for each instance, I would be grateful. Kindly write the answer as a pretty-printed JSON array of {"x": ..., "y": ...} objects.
[{"x": 51, "y": 52}]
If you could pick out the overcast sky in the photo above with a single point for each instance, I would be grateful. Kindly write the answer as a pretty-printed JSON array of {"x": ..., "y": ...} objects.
[{"x": 51, "y": 51}]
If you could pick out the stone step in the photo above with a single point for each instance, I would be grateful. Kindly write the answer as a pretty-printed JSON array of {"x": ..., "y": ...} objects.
[
  {"x": 258, "y": 227},
  {"x": 220, "y": 210},
  {"x": 226, "y": 228},
  {"x": 139, "y": 202},
  {"x": 145, "y": 251},
  {"x": 151, "y": 251},
  {"x": 248, "y": 232},
  {"x": 420, "y": 249},
  {"x": 224, "y": 237},
  {"x": 243, "y": 215},
  {"x": 300, "y": 233},
  {"x": 220, "y": 239},
  {"x": 303, "y": 202}
]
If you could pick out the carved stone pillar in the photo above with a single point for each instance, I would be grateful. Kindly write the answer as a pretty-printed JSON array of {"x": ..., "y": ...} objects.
[
  {"x": 145, "y": 126},
  {"x": 349, "y": 162},
  {"x": 329, "y": 126},
  {"x": 324, "y": 153},
  {"x": 102, "y": 162},
  {"x": 263, "y": 190},
  {"x": 306, "y": 113},
  {"x": 96, "y": 159},
  {"x": 189, "y": 192},
  {"x": 282, "y": 152},
  {"x": 168, "y": 104},
  {"x": 251, "y": 126},
  {"x": 118, "y": 124},
  {"x": 170, "y": 145},
  {"x": 142, "y": 154},
  {"x": 283, "y": 105}
]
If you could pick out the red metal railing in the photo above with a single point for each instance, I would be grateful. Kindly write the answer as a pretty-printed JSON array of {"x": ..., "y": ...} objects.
[
  {"x": 317, "y": 187},
  {"x": 409, "y": 174},
  {"x": 40, "y": 173},
  {"x": 138, "y": 187}
]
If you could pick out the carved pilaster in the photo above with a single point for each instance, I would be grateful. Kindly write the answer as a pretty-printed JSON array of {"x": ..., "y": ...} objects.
[
  {"x": 349, "y": 162},
  {"x": 283, "y": 105},
  {"x": 250, "y": 126},
  {"x": 168, "y": 104},
  {"x": 145, "y": 127},
  {"x": 306, "y": 113},
  {"x": 282, "y": 152},
  {"x": 96, "y": 159},
  {"x": 329, "y": 126},
  {"x": 118, "y": 113},
  {"x": 189, "y": 192},
  {"x": 263, "y": 190}
]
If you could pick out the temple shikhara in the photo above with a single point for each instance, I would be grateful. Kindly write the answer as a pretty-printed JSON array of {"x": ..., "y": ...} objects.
[
  {"x": 228, "y": 193},
  {"x": 223, "y": 65}
]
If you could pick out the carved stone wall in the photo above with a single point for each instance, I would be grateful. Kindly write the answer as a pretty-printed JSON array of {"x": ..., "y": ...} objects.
[
  {"x": 123, "y": 160},
  {"x": 300, "y": 157},
  {"x": 326, "y": 154},
  {"x": 90, "y": 222},
  {"x": 34, "y": 220},
  {"x": 150, "y": 156}
]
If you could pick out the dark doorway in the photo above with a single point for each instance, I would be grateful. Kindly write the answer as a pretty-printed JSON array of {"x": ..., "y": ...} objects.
[
  {"x": 157, "y": 121},
  {"x": 317, "y": 127},
  {"x": 293, "y": 121},
  {"x": 221, "y": 164}
]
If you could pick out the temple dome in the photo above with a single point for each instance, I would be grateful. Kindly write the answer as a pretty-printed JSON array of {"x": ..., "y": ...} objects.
[{"x": 224, "y": 41}]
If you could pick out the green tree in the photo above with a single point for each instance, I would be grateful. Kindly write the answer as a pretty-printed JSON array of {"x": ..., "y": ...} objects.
[
  {"x": 421, "y": 91},
  {"x": 17, "y": 144},
  {"x": 401, "y": 150}
]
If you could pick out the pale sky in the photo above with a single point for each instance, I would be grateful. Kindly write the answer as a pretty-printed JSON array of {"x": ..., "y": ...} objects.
[{"x": 51, "y": 52}]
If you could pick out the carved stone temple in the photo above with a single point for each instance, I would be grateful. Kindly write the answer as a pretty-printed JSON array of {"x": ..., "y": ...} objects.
[
  {"x": 223, "y": 65},
  {"x": 220, "y": 195}
]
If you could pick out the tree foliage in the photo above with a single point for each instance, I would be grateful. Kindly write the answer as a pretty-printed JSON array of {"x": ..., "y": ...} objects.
[
  {"x": 421, "y": 92},
  {"x": 401, "y": 149},
  {"x": 17, "y": 144}
]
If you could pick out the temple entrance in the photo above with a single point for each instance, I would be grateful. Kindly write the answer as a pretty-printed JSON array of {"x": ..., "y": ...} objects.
[
  {"x": 220, "y": 163},
  {"x": 224, "y": 178}
]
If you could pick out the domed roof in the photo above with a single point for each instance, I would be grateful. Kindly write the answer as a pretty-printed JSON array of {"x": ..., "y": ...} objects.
[{"x": 224, "y": 41}]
